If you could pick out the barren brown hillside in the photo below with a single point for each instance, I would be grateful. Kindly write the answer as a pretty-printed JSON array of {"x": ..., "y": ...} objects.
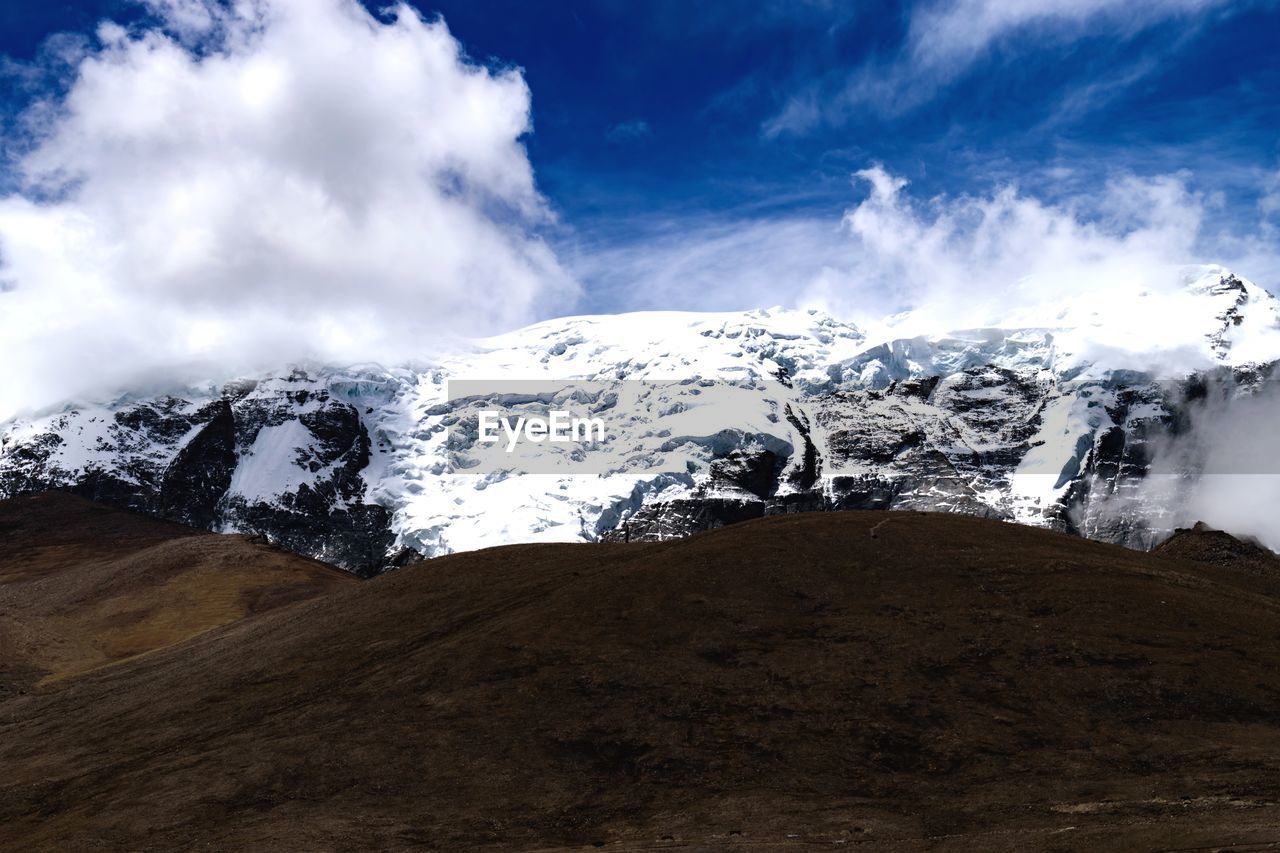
[
  {"x": 83, "y": 586},
  {"x": 895, "y": 680}
]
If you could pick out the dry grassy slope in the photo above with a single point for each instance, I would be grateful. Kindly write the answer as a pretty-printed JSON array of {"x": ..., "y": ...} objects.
[
  {"x": 83, "y": 586},
  {"x": 900, "y": 680}
]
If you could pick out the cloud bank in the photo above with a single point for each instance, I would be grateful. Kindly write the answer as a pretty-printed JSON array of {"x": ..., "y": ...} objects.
[
  {"x": 242, "y": 185},
  {"x": 1002, "y": 257},
  {"x": 1012, "y": 259},
  {"x": 267, "y": 180},
  {"x": 1220, "y": 466},
  {"x": 1239, "y": 486}
]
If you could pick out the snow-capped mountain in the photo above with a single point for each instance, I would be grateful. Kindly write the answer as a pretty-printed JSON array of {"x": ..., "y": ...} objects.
[{"x": 713, "y": 418}]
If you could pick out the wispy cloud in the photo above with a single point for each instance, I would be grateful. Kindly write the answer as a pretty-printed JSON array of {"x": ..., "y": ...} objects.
[
  {"x": 629, "y": 131},
  {"x": 956, "y": 33},
  {"x": 1269, "y": 202},
  {"x": 946, "y": 38},
  {"x": 712, "y": 262}
]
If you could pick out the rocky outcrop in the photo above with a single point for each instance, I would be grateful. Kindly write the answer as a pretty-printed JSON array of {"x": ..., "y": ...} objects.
[{"x": 279, "y": 458}]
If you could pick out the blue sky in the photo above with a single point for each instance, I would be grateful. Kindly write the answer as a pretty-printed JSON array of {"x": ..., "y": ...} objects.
[
  {"x": 1196, "y": 90},
  {"x": 667, "y": 108},
  {"x": 651, "y": 116},
  {"x": 406, "y": 180}
]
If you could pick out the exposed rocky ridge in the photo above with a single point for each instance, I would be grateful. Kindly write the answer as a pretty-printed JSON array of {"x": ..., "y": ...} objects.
[{"x": 1056, "y": 427}]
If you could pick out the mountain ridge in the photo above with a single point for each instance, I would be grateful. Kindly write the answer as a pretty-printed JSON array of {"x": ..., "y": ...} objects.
[{"x": 1053, "y": 426}]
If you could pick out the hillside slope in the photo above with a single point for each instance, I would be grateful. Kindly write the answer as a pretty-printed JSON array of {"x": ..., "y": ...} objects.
[
  {"x": 896, "y": 679},
  {"x": 83, "y": 586}
]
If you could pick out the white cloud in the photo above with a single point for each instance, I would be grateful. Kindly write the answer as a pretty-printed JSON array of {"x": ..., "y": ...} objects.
[
  {"x": 1002, "y": 257},
  {"x": 1007, "y": 257},
  {"x": 1237, "y": 449},
  {"x": 264, "y": 181}
]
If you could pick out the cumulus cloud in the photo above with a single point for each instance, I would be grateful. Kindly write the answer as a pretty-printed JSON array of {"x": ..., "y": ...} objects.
[
  {"x": 261, "y": 181},
  {"x": 1010, "y": 258},
  {"x": 945, "y": 38}
]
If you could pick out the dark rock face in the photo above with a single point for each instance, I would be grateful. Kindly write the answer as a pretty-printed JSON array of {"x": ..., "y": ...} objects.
[
  {"x": 335, "y": 448},
  {"x": 950, "y": 443},
  {"x": 299, "y": 456},
  {"x": 1103, "y": 501},
  {"x": 197, "y": 480},
  {"x": 679, "y": 518},
  {"x": 356, "y": 538},
  {"x": 756, "y": 473}
]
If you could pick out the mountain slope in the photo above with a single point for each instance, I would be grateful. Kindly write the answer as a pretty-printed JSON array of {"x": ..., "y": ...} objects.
[
  {"x": 83, "y": 586},
  {"x": 896, "y": 679},
  {"x": 712, "y": 418}
]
